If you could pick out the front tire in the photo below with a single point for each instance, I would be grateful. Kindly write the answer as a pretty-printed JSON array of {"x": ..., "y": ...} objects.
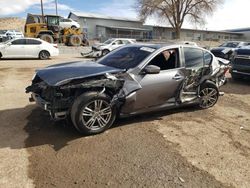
[
  {"x": 209, "y": 95},
  {"x": 92, "y": 113},
  {"x": 75, "y": 40},
  {"x": 105, "y": 52}
]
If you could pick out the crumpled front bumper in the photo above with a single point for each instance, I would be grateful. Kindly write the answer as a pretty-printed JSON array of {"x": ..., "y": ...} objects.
[
  {"x": 45, "y": 105},
  {"x": 40, "y": 102},
  {"x": 92, "y": 54}
]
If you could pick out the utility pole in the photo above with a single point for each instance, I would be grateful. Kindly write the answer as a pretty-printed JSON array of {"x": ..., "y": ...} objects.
[
  {"x": 56, "y": 7},
  {"x": 42, "y": 10}
]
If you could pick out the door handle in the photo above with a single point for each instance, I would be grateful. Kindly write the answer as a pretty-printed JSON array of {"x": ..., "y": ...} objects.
[{"x": 177, "y": 77}]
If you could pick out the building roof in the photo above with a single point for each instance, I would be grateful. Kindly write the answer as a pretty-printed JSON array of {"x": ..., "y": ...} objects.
[
  {"x": 125, "y": 28},
  {"x": 99, "y": 16},
  {"x": 240, "y": 30},
  {"x": 199, "y": 30}
]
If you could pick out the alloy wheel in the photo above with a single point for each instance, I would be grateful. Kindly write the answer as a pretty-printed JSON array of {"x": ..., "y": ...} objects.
[
  {"x": 44, "y": 55},
  {"x": 209, "y": 97},
  {"x": 96, "y": 114}
]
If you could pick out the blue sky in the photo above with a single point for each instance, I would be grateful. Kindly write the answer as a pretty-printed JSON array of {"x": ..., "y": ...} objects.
[
  {"x": 20, "y": 8},
  {"x": 232, "y": 14}
]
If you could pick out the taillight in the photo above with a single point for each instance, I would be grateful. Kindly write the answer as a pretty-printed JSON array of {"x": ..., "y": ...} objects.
[{"x": 226, "y": 69}]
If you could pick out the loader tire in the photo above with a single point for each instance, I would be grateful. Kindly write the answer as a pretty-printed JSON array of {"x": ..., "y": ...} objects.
[
  {"x": 46, "y": 37},
  {"x": 75, "y": 40}
]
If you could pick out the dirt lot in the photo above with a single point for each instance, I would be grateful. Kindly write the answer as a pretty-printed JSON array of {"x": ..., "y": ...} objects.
[{"x": 177, "y": 148}]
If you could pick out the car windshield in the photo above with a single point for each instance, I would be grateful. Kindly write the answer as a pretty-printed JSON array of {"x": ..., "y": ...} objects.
[
  {"x": 109, "y": 41},
  {"x": 230, "y": 44},
  {"x": 127, "y": 57},
  {"x": 3, "y": 31}
]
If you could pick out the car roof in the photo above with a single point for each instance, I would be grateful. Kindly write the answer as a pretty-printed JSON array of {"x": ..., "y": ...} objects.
[
  {"x": 163, "y": 45},
  {"x": 122, "y": 39}
]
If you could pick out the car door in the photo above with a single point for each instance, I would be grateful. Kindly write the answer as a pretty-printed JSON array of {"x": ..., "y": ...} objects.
[
  {"x": 194, "y": 64},
  {"x": 15, "y": 49},
  {"x": 161, "y": 88},
  {"x": 32, "y": 47},
  {"x": 197, "y": 69}
]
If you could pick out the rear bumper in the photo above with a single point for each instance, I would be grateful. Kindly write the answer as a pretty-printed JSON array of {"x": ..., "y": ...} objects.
[
  {"x": 240, "y": 69},
  {"x": 240, "y": 73},
  {"x": 54, "y": 53}
]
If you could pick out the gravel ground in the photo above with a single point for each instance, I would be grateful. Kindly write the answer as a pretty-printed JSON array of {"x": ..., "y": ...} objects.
[{"x": 177, "y": 148}]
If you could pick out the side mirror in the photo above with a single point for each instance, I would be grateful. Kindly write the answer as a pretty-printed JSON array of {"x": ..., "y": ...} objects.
[{"x": 152, "y": 69}]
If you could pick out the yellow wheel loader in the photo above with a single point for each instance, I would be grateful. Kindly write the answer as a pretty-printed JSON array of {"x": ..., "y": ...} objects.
[{"x": 47, "y": 28}]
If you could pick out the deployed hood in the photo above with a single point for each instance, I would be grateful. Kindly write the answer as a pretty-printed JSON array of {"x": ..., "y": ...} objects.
[
  {"x": 60, "y": 74},
  {"x": 99, "y": 46},
  {"x": 223, "y": 50}
]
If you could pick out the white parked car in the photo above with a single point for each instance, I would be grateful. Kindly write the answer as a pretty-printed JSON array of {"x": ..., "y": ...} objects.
[
  {"x": 189, "y": 43},
  {"x": 10, "y": 34},
  {"x": 28, "y": 48},
  {"x": 102, "y": 49},
  {"x": 68, "y": 23}
]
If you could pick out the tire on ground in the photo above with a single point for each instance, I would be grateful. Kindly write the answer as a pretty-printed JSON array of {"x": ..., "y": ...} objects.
[
  {"x": 105, "y": 52},
  {"x": 43, "y": 55},
  {"x": 210, "y": 86},
  {"x": 46, "y": 37},
  {"x": 75, "y": 40},
  {"x": 80, "y": 103}
]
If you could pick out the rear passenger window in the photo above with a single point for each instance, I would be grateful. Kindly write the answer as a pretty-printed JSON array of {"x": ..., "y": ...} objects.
[
  {"x": 193, "y": 57},
  {"x": 207, "y": 58},
  {"x": 19, "y": 42},
  {"x": 126, "y": 42},
  {"x": 33, "y": 42}
]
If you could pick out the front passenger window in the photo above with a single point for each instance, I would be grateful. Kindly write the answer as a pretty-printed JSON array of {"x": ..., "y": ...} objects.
[{"x": 167, "y": 59}]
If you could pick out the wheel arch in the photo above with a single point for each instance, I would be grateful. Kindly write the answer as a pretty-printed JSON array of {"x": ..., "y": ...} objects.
[
  {"x": 97, "y": 90},
  {"x": 208, "y": 82},
  {"x": 45, "y": 51}
]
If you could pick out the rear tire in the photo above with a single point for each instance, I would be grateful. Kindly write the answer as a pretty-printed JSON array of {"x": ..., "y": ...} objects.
[
  {"x": 73, "y": 27},
  {"x": 209, "y": 95},
  {"x": 43, "y": 55},
  {"x": 46, "y": 37},
  {"x": 92, "y": 113}
]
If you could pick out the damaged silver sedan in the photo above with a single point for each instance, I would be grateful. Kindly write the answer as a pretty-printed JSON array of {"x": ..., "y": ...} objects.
[{"x": 134, "y": 79}]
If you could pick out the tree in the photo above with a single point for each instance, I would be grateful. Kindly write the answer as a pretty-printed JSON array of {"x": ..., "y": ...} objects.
[{"x": 177, "y": 11}]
